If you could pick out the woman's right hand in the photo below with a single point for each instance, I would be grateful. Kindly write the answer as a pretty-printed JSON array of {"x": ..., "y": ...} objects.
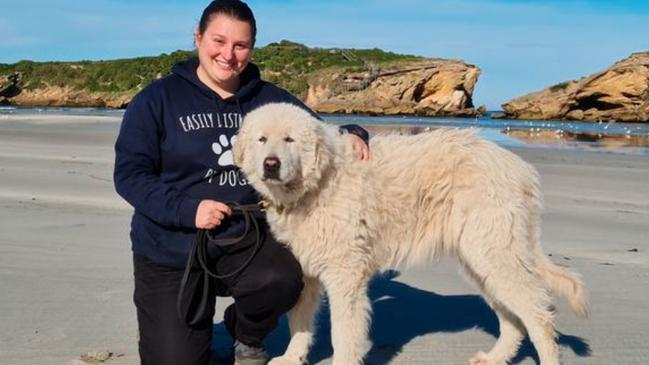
[{"x": 211, "y": 213}]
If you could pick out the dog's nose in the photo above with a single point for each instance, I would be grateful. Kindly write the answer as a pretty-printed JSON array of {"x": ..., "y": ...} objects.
[{"x": 271, "y": 167}]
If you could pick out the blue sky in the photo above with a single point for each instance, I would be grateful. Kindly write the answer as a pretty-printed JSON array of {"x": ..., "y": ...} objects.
[{"x": 520, "y": 46}]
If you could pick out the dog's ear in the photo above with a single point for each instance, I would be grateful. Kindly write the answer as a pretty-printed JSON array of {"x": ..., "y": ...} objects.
[
  {"x": 239, "y": 147},
  {"x": 318, "y": 152}
]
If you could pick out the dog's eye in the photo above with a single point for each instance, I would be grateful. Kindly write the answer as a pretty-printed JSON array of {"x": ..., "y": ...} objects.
[
  {"x": 262, "y": 139},
  {"x": 288, "y": 139}
]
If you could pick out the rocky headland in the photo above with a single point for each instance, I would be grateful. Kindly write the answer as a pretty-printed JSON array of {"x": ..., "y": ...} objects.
[
  {"x": 11, "y": 93},
  {"x": 617, "y": 94},
  {"x": 431, "y": 87}
]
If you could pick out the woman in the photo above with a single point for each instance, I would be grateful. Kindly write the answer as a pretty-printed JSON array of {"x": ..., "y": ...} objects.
[{"x": 174, "y": 166}]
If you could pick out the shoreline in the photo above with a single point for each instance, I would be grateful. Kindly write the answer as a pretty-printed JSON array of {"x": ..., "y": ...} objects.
[
  {"x": 622, "y": 139},
  {"x": 491, "y": 114}
]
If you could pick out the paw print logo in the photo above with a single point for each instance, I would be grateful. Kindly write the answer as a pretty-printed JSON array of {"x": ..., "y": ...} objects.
[{"x": 223, "y": 149}]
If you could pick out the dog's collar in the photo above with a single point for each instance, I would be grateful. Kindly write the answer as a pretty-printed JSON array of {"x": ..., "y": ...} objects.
[{"x": 266, "y": 204}]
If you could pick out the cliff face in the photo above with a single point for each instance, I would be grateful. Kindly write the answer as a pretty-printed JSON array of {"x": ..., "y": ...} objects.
[
  {"x": 620, "y": 93},
  {"x": 12, "y": 94},
  {"x": 427, "y": 87}
]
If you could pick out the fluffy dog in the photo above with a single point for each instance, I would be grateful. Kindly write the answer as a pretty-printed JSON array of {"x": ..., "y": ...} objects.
[{"x": 441, "y": 192}]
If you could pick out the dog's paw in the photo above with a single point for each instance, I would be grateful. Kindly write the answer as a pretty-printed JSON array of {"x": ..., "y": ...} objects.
[
  {"x": 482, "y": 358},
  {"x": 283, "y": 360}
]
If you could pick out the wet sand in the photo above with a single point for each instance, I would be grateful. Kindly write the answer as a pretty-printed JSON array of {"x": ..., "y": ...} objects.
[{"x": 66, "y": 269}]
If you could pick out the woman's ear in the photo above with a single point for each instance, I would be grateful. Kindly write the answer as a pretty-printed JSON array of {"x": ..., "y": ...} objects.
[{"x": 197, "y": 37}]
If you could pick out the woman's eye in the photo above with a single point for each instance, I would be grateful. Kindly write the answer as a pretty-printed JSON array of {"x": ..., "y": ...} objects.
[
  {"x": 262, "y": 139},
  {"x": 288, "y": 139}
]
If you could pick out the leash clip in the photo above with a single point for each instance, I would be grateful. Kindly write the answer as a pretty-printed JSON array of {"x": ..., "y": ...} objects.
[{"x": 264, "y": 205}]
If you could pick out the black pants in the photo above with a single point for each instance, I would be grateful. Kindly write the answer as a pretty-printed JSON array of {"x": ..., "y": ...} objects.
[{"x": 265, "y": 290}]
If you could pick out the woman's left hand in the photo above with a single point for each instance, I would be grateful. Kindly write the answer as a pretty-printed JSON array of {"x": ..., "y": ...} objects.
[{"x": 361, "y": 148}]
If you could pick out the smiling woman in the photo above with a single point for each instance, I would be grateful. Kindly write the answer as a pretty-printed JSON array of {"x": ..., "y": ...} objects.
[{"x": 174, "y": 166}]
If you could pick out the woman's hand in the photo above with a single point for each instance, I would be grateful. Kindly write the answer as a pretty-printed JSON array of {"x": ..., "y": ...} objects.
[
  {"x": 361, "y": 149},
  {"x": 211, "y": 213}
]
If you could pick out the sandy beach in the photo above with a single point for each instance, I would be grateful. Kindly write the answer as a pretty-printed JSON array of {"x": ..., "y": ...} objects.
[{"x": 66, "y": 271}]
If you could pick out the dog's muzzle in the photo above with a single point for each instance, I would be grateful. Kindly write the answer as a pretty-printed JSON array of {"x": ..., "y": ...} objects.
[{"x": 271, "y": 168}]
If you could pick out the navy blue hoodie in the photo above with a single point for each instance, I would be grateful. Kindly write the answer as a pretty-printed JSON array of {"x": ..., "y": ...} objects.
[{"x": 174, "y": 150}]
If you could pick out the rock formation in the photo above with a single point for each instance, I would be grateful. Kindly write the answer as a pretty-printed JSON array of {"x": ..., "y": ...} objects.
[
  {"x": 428, "y": 87},
  {"x": 8, "y": 87},
  {"x": 11, "y": 93},
  {"x": 620, "y": 93}
]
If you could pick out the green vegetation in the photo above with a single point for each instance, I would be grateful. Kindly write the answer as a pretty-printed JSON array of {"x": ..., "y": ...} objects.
[
  {"x": 285, "y": 63},
  {"x": 124, "y": 75},
  {"x": 289, "y": 64}
]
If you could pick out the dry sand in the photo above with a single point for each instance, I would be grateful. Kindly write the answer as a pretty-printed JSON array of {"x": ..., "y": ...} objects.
[{"x": 66, "y": 272}]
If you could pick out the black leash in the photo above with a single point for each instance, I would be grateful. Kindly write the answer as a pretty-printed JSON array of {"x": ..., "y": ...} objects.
[{"x": 199, "y": 252}]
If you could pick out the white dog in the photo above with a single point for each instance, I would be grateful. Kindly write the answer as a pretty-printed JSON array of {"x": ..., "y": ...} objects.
[{"x": 442, "y": 192}]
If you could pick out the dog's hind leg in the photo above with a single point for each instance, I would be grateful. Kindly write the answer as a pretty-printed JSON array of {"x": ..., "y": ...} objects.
[
  {"x": 350, "y": 316},
  {"x": 509, "y": 340},
  {"x": 300, "y": 320},
  {"x": 510, "y": 284}
]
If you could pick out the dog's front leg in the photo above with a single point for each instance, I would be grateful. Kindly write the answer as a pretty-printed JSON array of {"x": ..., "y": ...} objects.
[
  {"x": 300, "y": 321},
  {"x": 350, "y": 316}
]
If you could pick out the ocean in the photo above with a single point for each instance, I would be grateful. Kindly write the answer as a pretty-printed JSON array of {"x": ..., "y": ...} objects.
[{"x": 626, "y": 138}]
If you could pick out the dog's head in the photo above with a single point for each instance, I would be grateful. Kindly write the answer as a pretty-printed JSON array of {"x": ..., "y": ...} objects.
[{"x": 283, "y": 151}]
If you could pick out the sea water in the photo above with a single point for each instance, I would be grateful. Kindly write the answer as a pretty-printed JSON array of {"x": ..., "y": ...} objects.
[{"x": 628, "y": 138}]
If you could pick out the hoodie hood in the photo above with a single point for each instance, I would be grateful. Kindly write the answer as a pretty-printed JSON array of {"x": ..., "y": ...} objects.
[{"x": 250, "y": 80}]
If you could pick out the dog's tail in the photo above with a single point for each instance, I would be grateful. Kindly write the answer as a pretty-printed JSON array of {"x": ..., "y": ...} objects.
[{"x": 566, "y": 283}]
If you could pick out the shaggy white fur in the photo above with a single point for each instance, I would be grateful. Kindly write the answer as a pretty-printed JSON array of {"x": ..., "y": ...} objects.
[{"x": 442, "y": 192}]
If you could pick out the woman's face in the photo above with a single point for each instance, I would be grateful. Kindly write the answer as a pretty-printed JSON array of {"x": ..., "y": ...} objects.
[{"x": 224, "y": 50}]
